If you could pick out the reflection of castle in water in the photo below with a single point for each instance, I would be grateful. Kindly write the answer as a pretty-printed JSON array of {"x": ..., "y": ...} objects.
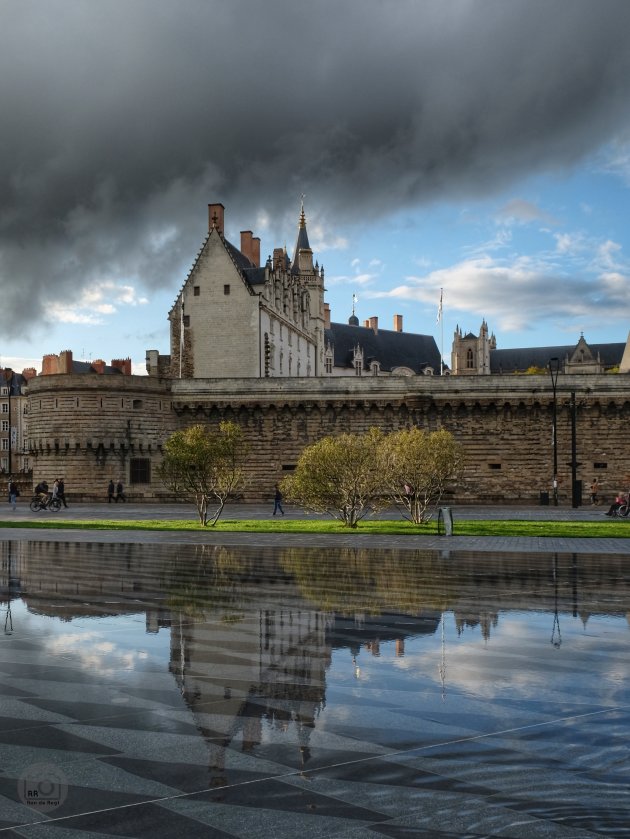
[{"x": 252, "y": 631}]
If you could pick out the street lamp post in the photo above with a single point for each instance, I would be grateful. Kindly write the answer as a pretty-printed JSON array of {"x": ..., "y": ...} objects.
[{"x": 554, "y": 368}]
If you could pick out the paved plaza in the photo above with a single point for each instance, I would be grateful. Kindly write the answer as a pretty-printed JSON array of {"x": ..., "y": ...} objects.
[{"x": 241, "y": 686}]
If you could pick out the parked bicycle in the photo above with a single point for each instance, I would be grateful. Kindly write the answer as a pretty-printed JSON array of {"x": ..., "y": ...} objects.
[{"x": 39, "y": 503}]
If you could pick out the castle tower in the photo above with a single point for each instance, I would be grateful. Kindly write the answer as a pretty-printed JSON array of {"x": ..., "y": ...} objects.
[
  {"x": 470, "y": 355},
  {"x": 312, "y": 278}
]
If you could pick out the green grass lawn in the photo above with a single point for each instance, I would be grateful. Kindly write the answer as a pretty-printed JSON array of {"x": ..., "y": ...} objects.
[{"x": 613, "y": 528}]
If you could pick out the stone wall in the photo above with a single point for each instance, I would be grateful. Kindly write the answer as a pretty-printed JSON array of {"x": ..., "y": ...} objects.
[
  {"x": 91, "y": 428},
  {"x": 88, "y": 429}
]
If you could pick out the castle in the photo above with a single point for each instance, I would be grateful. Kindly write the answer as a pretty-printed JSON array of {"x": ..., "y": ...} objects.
[{"x": 255, "y": 343}]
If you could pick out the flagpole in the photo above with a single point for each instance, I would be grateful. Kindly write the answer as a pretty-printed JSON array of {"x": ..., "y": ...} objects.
[
  {"x": 442, "y": 353},
  {"x": 181, "y": 337},
  {"x": 440, "y": 320}
]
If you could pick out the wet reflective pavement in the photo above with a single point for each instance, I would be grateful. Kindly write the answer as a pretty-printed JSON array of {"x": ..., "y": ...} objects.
[{"x": 204, "y": 690}]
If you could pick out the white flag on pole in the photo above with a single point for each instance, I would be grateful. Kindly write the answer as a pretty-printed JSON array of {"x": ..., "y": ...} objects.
[{"x": 439, "y": 311}]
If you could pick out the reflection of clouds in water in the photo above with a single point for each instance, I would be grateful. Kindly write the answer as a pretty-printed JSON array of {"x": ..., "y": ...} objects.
[
  {"x": 90, "y": 651},
  {"x": 520, "y": 657}
]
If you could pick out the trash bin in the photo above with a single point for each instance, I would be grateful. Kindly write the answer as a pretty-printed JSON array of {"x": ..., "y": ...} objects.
[
  {"x": 544, "y": 498},
  {"x": 445, "y": 521}
]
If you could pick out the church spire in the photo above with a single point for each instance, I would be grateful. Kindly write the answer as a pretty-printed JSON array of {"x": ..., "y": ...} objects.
[{"x": 302, "y": 245}]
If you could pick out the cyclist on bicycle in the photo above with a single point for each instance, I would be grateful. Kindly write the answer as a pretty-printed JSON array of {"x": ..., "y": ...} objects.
[{"x": 45, "y": 495}]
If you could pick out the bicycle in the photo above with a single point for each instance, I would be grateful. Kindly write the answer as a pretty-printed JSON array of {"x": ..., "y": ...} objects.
[{"x": 39, "y": 503}]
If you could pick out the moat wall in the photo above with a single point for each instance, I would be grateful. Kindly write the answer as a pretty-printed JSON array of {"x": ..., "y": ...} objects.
[{"x": 91, "y": 428}]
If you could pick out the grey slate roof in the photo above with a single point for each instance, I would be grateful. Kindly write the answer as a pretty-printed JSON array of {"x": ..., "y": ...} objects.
[
  {"x": 82, "y": 367},
  {"x": 391, "y": 349},
  {"x": 507, "y": 361},
  {"x": 242, "y": 262},
  {"x": 255, "y": 276},
  {"x": 17, "y": 382}
]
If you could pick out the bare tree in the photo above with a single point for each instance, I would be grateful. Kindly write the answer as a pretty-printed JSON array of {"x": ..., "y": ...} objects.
[
  {"x": 205, "y": 466},
  {"x": 419, "y": 466},
  {"x": 340, "y": 476}
]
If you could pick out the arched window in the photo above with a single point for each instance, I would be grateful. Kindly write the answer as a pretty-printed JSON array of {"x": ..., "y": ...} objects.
[{"x": 470, "y": 359}]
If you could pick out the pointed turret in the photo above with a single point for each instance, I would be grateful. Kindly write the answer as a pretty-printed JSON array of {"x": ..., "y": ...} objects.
[{"x": 303, "y": 255}]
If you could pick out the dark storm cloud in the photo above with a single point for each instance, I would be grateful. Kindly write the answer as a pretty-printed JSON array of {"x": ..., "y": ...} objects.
[{"x": 121, "y": 120}]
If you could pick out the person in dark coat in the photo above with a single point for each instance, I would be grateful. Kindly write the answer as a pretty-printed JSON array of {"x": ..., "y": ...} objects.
[
  {"x": 120, "y": 493},
  {"x": 111, "y": 491},
  {"x": 277, "y": 501},
  {"x": 61, "y": 492}
]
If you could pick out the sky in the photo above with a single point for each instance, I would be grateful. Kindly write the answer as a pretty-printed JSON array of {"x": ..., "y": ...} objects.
[{"x": 474, "y": 149}]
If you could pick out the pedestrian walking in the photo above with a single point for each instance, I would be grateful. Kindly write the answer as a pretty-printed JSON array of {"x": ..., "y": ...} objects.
[
  {"x": 594, "y": 490},
  {"x": 61, "y": 492},
  {"x": 120, "y": 492},
  {"x": 13, "y": 494},
  {"x": 111, "y": 491},
  {"x": 277, "y": 501}
]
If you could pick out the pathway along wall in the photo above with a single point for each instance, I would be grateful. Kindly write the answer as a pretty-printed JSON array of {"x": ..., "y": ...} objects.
[{"x": 92, "y": 428}]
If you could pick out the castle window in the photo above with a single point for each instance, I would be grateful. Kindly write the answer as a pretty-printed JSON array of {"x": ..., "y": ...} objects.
[
  {"x": 494, "y": 466},
  {"x": 600, "y": 466},
  {"x": 196, "y": 291},
  {"x": 5, "y": 425},
  {"x": 5, "y": 443},
  {"x": 4, "y": 391},
  {"x": 136, "y": 404},
  {"x": 5, "y": 407},
  {"x": 470, "y": 360},
  {"x": 140, "y": 470},
  {"x": 329, "y": 365},
  {"x": 186, "y": 320},
  {"x": 226, "y": 289}
]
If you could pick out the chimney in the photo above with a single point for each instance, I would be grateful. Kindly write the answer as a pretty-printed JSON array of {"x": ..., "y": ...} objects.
[
  {"x": 373, "y": 323},
  {"x": 256, "y": 251},
  {"x": 366, "y": 323},
  {"x": 29, "y": 373},
  {"x": 122, "y": 364},
  {"x": 216, "y": 213},
  {"x": 326, "y": 315},
  {"x": 50, "y": 364},
  {"x": 99, "y": 365},
  {"x": 65, "y": 361},
  {"x": 398, "y": 323},
  {"x": 278, "y": 258},
  {"x": 246, "y": 244}
]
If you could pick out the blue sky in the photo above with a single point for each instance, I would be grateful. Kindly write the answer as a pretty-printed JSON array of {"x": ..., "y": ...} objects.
[{"x": 479, "y": 147}]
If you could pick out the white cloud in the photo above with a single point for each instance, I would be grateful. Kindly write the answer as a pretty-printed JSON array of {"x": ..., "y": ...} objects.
[
  {"x": 321, "y": 239},
  {"x": 521, "y": 293},
  {"x": 616, "y": 159},
  {"x": 94, "y": 302},
  {"x": 520, "y": 211},
  {"x": 569, "y": 243},
  {"x": 607, "y": 254},
  {"x": 499, "y": 241}
]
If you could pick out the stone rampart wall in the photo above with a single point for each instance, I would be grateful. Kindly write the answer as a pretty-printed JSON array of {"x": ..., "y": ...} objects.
[{"x": 89, "y": 428}]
